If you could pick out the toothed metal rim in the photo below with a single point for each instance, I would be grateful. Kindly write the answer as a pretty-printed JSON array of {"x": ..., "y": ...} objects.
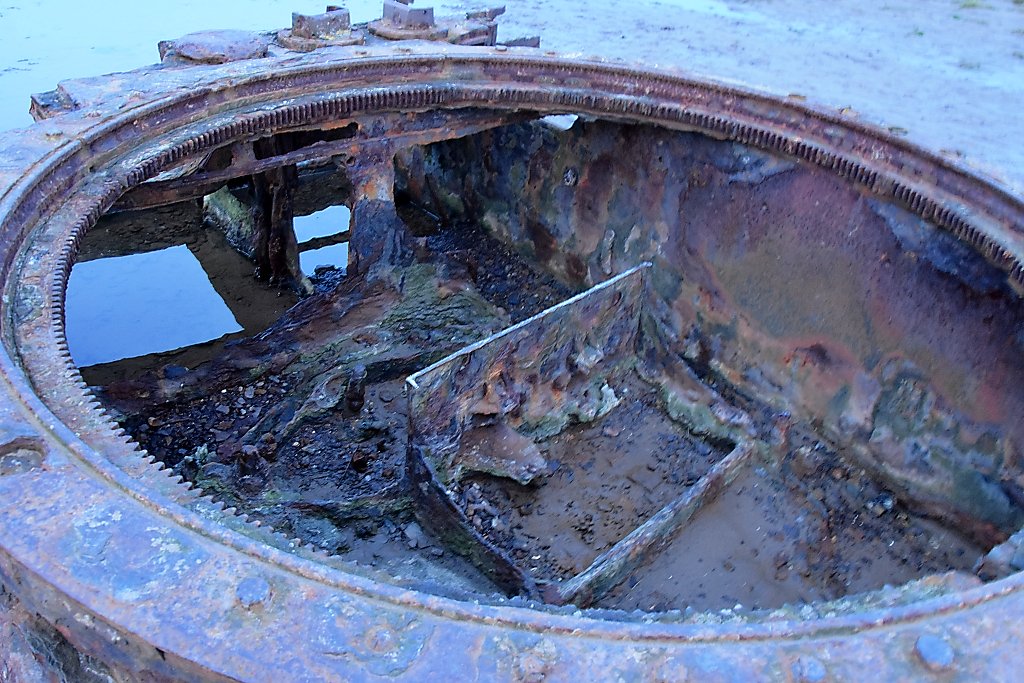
[{"x": 96, "y": 167}]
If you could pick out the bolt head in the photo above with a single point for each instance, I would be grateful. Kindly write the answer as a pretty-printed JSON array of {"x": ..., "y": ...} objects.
[
  {"x": 252, "y": 591},
  {"x": 934, "y": 652}
]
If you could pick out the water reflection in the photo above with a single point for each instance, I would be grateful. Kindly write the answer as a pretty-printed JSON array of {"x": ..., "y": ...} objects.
[
  {"x": 129, "y": 306},
  {"x": 314, "y": 233},
  {"x": 329, "y": 221},
  {"x": 335, "y": 255}
]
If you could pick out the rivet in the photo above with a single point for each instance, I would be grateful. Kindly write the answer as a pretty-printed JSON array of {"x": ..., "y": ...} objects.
[
  {"x": 809, "y": 670},
  {"x": 935, "y": 652},
  {"x": 252, "y": 591}
]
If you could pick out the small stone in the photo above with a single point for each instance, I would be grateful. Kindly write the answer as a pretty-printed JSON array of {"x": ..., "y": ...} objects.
[
  {"x": 437, "y": 552},
  {"x": 355, "y": 390},
  {"x": 415, "y": 536},
  {"x": 249, "y": 450},
  {"x": 611, "y": 432},
  {"x": 881, "y": 504},
  {"x": 222, "y": 409},
  {"x": 155, "y": 422},
  {"x": 268, "y": 438},
  {"x": 249, "y": 393},
  {"x": 935, "y": 652}
]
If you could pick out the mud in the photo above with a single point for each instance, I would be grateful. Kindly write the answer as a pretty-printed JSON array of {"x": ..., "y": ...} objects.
[
  {"x": 774, "y": 538},
  {"x": 606, "y": 478}
]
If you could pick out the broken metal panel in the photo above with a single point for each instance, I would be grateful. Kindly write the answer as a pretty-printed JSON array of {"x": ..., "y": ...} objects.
[
  {"x": 477, "y": 409},
  {"x": 535, "y": 377}
]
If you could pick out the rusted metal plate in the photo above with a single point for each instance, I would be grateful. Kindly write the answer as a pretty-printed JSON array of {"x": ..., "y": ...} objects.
[{"x": 534, "y": 376}]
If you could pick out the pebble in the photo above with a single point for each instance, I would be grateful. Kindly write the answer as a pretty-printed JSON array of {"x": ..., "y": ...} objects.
[
  {"x": 415, "y": 536},
  {"x": 249, "y": 393},
  {"x": 222, "y": 409},
  {"x": 155, "y": 422},
  {"x": 809, "y": 670},
  {"x": 881, "y": 504},
  {"x": 804, "y": 461}
]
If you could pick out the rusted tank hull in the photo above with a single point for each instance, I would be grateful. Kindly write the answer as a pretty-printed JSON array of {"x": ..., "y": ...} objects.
[{"x": 158, "y": 581}]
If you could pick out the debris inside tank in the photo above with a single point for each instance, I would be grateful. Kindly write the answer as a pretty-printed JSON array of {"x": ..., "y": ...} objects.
[{"x": 682, "y": 474}]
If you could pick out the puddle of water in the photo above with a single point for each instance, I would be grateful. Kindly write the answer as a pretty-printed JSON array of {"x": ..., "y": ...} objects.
[
  {"x": 335, "y": 255},
  {"x": 129, "y": 306},
  {"x": 324, "y": 223}
]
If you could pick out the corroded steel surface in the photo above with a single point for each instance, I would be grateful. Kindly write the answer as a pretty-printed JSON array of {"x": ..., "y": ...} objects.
[
  {"x": 159, "y": 581},
  {"x": 534, "y": 377}
]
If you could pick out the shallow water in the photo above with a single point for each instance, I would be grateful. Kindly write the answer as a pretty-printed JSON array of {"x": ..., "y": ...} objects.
[{"x": 128, "y": 306}]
